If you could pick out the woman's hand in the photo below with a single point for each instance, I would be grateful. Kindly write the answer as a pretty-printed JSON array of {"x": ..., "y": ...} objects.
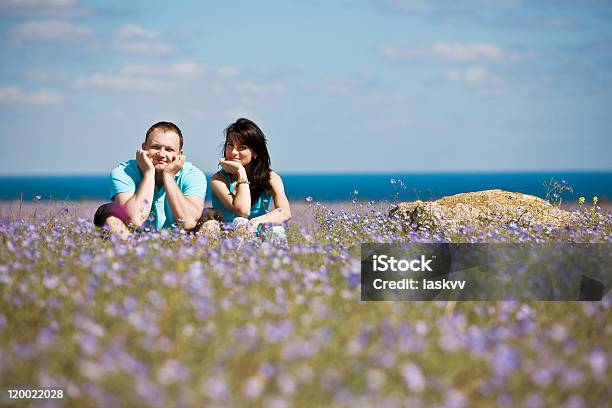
[{"x": 234, "y": 168}]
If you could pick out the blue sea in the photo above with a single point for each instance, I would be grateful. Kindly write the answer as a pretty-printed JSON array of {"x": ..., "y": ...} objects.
[{"x": 342, "y": 187}]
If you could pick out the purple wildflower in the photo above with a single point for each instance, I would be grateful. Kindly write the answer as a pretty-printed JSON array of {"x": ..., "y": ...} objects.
[
  {"x": 505, "y": 360},
  {"x": 413, "y": 377},
  {"x": 253, "y": 387},
  {"x": 216, "y": 388},
  {"x": 599, "y": 362}
]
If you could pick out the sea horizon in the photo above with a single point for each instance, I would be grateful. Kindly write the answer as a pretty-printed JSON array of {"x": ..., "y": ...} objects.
[
  {"x": 347, "y": 172},
  {"x": 345, "y": 186}
]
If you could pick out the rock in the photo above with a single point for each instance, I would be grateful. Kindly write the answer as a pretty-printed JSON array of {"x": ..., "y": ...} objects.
[{"x": 482, "y": 208}]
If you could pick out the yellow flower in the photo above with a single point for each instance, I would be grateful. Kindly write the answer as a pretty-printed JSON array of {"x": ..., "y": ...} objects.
[{"x": 581, "y": 200}]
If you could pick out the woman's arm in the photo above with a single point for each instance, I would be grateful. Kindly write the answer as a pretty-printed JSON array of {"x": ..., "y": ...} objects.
[
  {"x": 238, "y": 203},
  {"x": 281, "y": 212}
]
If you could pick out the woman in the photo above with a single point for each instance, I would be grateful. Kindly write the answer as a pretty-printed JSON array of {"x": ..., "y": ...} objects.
[{"x": 245, "y": 187}]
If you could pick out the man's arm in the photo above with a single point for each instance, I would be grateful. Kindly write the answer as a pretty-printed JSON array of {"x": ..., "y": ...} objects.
[
  {"x": 185, "y": 210},
  {"x": 138, "y": 204}
]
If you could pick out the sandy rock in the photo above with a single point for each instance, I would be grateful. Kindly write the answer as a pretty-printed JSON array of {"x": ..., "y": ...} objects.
[{"x": 482, "y": 208}]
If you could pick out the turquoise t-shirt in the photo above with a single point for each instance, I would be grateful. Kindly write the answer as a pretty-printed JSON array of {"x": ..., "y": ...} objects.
[
  {"x": 126, "y": 177},
  {"x": 260, "y": 207}
]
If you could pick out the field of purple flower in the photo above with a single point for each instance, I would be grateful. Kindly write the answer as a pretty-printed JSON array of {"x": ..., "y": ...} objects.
[{"x": 172, "y": 319}]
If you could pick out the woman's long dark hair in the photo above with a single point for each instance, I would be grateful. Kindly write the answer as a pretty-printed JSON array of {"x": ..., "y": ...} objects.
[{"x": 246, "y": 132}]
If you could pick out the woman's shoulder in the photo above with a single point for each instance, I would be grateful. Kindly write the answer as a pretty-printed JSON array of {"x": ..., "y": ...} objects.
[
  {"x": 276, "y": 182},
  {"x": 219, "y": 180},
  {"x": 274, "y": 176}
]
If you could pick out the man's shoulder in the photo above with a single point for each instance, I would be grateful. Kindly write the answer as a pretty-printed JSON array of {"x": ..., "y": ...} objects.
[
  {"x": 124, "y": 178},
  {"x": 189, "y": 166},
  {"x": 128, "y": 165},
  {"x": 192, "y": 181},
  {"x": 191, "y": 170},
  {"x": 125, "y": 169}
]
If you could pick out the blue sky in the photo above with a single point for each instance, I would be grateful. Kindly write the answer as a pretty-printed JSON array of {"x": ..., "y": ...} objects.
[{"x": 344, "y": 86}]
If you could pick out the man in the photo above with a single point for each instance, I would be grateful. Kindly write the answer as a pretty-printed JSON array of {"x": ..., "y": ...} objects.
[{"x": 158, "y": 189}]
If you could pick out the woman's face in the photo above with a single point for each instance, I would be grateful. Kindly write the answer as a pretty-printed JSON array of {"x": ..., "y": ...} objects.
[{"x": 238, "y": 152}]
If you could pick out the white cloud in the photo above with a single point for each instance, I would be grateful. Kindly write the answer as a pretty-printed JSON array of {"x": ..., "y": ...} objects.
[
  {"x": 181, "y": 69},
  {"x": 184, "y": 69},
  {"x": 135, "y": 69},
  {"x": 38, "y": 3},
  {"x": 471, "y": 75},
  {"x": 389, "y": 51},
  {"x": 467, "y": 51},
  {"x": 182, "y": 75},
  {"x": 395, "y": 52},
  {"x": 475, "y": 74},
  {"x": 455, "y": 51},
  {"x": 126, "y": 82},
  {"x": 259, "y": 88},
  {"x": 14, "y": 94},
  {"x": 132, "y": 31},
  {"x": 137, "y": 77},
  {"x": 134, "y": 38},
  {"x": 228, "y": 71},
  {"x": 39, "y": 8},
  {"x": 228, "y": 85},
  {"x": 146, "y": 46},
  {"x": 48, "y": 30}
]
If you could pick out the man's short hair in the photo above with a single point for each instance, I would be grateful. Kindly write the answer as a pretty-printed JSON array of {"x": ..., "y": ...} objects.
[{"x": 166, "y": 127}]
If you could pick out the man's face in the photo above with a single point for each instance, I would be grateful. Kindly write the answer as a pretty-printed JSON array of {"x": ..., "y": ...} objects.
[{"x": 163, "y": 147}]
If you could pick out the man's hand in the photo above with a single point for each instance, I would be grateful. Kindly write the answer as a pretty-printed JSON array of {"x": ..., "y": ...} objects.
[
  {"x": 144, "y": 162},
  {"x": 174, "y": 166},
  {"x": 233, "y": 168}
]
